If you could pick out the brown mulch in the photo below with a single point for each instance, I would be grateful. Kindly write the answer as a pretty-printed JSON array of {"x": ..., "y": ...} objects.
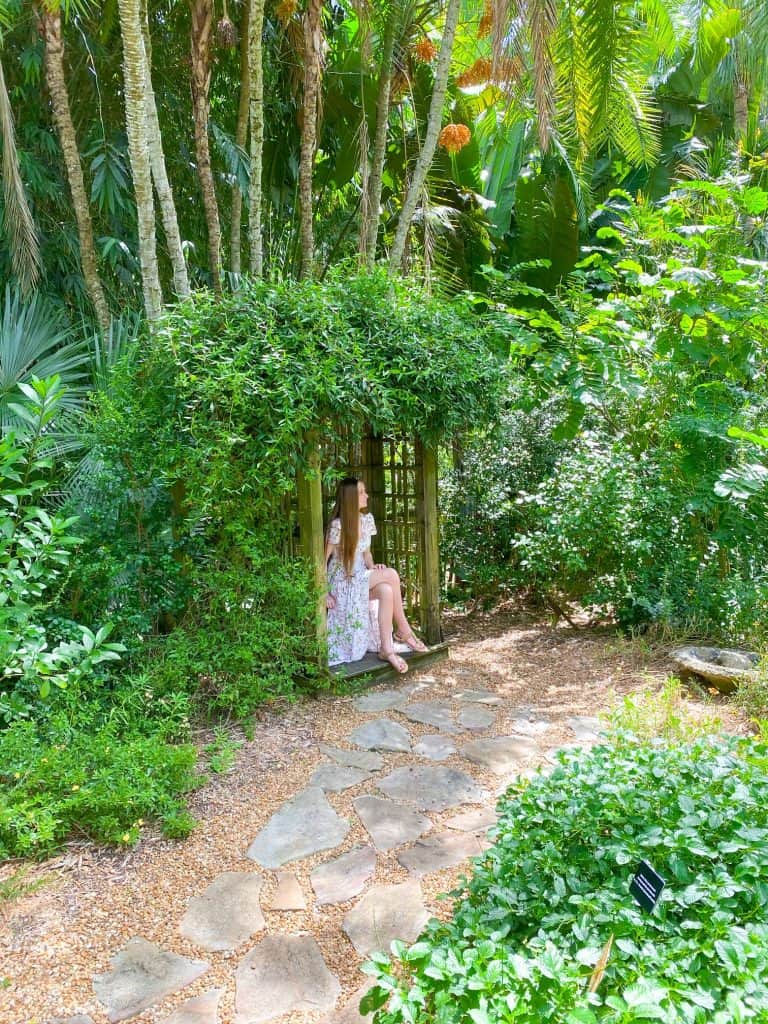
[{"x": 93, "y": 900}]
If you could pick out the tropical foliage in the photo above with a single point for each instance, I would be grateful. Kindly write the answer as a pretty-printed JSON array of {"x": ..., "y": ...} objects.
[{"x": 533, "y": 233}]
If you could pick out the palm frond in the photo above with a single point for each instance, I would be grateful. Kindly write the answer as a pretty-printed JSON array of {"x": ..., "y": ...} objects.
[
  {"x": 37, "y": 341},
  {"x": 18, "y": 223}
]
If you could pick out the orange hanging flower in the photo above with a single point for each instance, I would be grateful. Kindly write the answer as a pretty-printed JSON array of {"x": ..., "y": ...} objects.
[
  {"x": 478, "y": 74},
  {"x": 399, "y": 86},
  {"x": 286, "y": 9},
  {"x": 485, "y": 27},
  {"x": 425, "y": 50},
  {"x": 454, "y": 137}
]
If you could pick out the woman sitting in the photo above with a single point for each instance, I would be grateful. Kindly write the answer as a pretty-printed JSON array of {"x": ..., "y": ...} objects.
[{"x": 354, "y": 581}]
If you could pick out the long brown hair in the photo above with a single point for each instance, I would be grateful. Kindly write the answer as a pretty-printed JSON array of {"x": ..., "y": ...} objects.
[{"x": 347, "y": 510}]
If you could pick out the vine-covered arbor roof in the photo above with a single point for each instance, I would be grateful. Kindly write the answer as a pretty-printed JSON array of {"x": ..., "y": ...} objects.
[{"x": 358, "y": 348}]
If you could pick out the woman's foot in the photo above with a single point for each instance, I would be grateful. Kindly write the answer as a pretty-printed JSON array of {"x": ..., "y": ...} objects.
[
  {"x": 394, "y": 659},
  {"x": 410, "y": 638}
]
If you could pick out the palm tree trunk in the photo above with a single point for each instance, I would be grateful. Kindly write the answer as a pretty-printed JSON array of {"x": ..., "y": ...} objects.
[
  {"x": 434, "y": 118},
  {"x": 241, "y": 133},
  {"x": 740, "y": 107},
  {"x": 18, "y": 223},
  {"x": 312, "y": 72},
  {"x": 201, "y": 42},
  {"x": 373, "y": 203},
  {"x": 135, "y": 74},
  {"x": 160, "y": 173},
  {"x": 50, "y": 21},
  {"x": 256, "y": 90}
]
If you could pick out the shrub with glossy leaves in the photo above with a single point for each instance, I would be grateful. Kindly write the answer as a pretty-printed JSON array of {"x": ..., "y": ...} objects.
[{"x": 529, "y": 926}]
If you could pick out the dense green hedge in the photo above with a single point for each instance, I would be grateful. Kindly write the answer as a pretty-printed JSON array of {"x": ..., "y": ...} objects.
[{"x": 528, "y": 929}]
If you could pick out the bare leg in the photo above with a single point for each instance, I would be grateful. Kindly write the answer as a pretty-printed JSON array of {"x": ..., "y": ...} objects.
[
  {"x": 382, "y": 592},
  {"x": 402, "y": 626}
]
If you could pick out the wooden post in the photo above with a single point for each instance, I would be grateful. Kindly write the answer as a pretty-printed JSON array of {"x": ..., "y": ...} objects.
[
  {"x": 430, "y": 533},
  {"x": 373, "y": 457},
  {"x": 310, "y": 502}
]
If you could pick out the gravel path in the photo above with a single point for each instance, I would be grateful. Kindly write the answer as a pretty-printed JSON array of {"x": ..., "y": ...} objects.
[{"x": 239, "y": 923}]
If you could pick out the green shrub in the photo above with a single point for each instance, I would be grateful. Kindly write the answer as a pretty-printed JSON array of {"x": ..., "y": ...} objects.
[
  {"x": 57, "y": 781},
  {"x": 36, "y": 651},
  {"x": 247, "y": 638},
  {"x": 529, "y": 926}
]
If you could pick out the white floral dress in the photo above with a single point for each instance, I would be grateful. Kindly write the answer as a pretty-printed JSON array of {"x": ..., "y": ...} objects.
[{"x": 352, "y": 629}]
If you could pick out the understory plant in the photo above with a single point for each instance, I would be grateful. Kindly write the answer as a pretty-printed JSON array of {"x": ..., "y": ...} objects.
[
  {"x": 528, "y": 928},
  {"x": 36, "y": 652}
]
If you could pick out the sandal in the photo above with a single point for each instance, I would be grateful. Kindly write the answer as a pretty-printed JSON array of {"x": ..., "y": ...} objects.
[
  {"x": 394, "y": 659},
  {"x": 412, "y": 641}
]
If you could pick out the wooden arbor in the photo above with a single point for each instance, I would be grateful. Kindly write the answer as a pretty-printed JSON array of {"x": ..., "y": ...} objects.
[{"x": 401, "y": 476}]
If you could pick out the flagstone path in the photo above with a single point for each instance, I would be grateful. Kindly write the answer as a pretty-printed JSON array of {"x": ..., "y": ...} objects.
[
  {"x": 350, "y": 856},
  {"x": 285, "y": 973}
]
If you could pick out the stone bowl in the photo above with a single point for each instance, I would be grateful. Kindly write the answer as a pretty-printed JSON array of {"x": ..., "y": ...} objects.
[{"x": 722, "y": 668}]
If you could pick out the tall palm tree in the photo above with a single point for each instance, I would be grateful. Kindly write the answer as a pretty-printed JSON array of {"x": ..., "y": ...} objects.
[
  {"x": 241, "y": 132},
  {"x": 256, "y": 95},
  {"x": 313, "y": 41},
  {"x": 135, "y": 73},
  {"x": 50, "y": 24},
  {"x": 372, "y": 205},
  {"x": 429, "y": 145},
  {"x": 201, "y": 42},
  {"x": 17, "y": 219},
  {"x": 160, "y": 172}
]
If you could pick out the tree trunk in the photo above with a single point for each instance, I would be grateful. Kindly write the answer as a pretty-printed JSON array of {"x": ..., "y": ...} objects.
[
  {"x": 434, "y": 118},
  {"x": 740, "y": 108},
  {"x": 256, "y": 91},
  {"x": 312, "y": 71},
  {"x": 160, "y": 174},
  {"x": 201, "y": 42},
  {"x": 57, "y": 86},
  {"x": 135, "y": 73},
  {"x": 241, "y": 132},
  {"x": 373, "y": 204},
  {"x": 18, "y": 225}
]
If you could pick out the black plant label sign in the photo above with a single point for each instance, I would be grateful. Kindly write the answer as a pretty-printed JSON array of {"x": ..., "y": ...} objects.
[{"x": 647, "y": 886}]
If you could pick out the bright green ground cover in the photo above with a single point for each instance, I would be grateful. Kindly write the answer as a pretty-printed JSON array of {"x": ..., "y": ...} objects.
[{"x": 528, "y": 929}]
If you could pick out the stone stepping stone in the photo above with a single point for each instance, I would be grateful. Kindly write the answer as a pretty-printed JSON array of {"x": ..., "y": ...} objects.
[
  {"x": 339, "y": 880},
  {"x": 350, "y": 1011},
  {"x": 303, "y": 826},
  {"x": 367, "y": 760},
  {"x": 288, "y": 895},
  {"x": 389, "y": 824},
  {"x": 479, "y": 697},
  {"x": 531, "y": 727},
  {"x": 441, "y": 851},
  {"x": 475, "y": 717},
  {"x": 385, "y": 913},
  {"x": 501, "y": 754},
  {"x": 431, "y": 712},
  {"x": 142, "y": 974},
  {"x": 283, "y": 974},
  {"x": 79, "y": 1018},
  {"x": 382, "y": 734},
  {"x": 200, "y": 1010},
  {"x": 432, "y": 788},
  {"x": 435, "y": 748},
  {"x": 478, "y": 820},
  {"x": 334, "y": 778},
  {"x": 585, "y": 729},
  {"x": 380, "y": 700},
  {"x": 226, "y": 914}
]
